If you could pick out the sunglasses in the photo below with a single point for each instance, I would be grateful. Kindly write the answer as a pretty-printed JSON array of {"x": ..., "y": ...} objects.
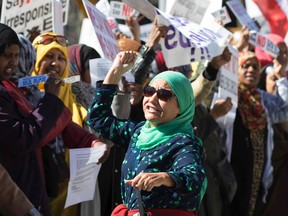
[
  {"x": 47, "y": 39},
  {"x": 162, "y": 94}
]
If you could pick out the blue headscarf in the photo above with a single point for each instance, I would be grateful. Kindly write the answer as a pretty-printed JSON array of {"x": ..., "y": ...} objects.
[{"x": 181, "y": 86}]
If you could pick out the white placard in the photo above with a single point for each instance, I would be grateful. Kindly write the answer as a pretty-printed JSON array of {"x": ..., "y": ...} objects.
[
  {"x": 144, "y": 30},
  {"x": 144, "y": 7},
  {"x": 57, "y": 14},
  {"x": 83, "y": 174},
  {"x": 222, "y": 15},
  {"x": 103, "y": 6},
  {"x": 120, "y": 10},
  {"x": 103, "y": 31},
  {"x": 30, "y": 15},
  {"x": 241, "y": 14},
  {"x": 229, "y": 78},
  {"x": 191, "y": 41},
  {"x": 193, "y": 10},
  {"x": 261, "y": 41},
  {"x": 92, "y": 41}
]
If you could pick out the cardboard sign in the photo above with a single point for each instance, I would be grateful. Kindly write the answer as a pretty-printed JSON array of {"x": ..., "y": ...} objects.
[
  {"x": 241, "y": 14},
  {"x": 120, "y": 10},
  {"x": 31, "y": 15},
  {"x": 103, "y": 31},
  {"x": 191, "y": 41},
  {"x": 193, "y": 10}
]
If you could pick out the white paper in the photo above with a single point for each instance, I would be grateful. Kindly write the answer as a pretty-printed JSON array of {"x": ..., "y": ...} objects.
[
  {"x": 83, "y": 174},
  {"x": 120, "y": 10},
  {"x": 222, "y": 15},
  {"x": 193, "y": 10}
]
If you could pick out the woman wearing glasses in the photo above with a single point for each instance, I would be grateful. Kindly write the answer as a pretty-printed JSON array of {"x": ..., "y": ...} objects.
[
  {"x": 163, "y": 168},
  {"x": 26, "y": 129}
]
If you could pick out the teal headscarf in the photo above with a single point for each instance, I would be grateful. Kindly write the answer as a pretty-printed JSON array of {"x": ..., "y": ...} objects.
[{"x": 181, "y": 86}]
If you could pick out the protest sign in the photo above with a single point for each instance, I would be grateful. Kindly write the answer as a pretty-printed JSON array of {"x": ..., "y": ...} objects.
[
  {"x": 120, "y": 10},
  {"x": 261, "y": 41},
  {"x": 103, "y": 31},
  {"x": 228, "y": 82},
  {"x": 222, "y": 15},
  {"x": 57, "y": 17},
  {"x": 29, "y": 16},
  {"x": 144, "y": 7},
  {"x": 193, "y": 10},
  {"x": 241, "y": 14},
  {"x": 103, "y": 6},
  {"x": 144, "y": 30},
  {"x": 228, "y": 88},
  {"x": 191, "y": 41}
]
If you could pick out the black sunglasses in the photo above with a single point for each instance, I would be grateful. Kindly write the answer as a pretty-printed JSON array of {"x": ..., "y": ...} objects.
[{"x": 162, "y": 94}]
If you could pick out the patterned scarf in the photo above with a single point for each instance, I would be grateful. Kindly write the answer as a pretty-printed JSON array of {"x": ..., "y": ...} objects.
[{"x": 251, "y": 109}]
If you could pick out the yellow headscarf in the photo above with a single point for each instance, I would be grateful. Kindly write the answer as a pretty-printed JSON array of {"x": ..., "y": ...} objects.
[{"x": 79, "y": 113}]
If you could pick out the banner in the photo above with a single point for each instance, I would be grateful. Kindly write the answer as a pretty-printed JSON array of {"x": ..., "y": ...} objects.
[
  {"x": 28, "y": 16},
  {"x": 103, "y": 31},
  {"x": 191, "y": 41},
  {"x": 276, "y": 13}
]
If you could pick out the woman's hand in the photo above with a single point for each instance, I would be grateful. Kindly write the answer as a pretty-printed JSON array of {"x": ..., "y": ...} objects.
[
  {"x": 123, "y": 62},
  {"x": 53, "y": 85},
  {"x": 104, "y": 157},
  {"x": 221, "y": 108},
  {"x": 147, "y": 181}
]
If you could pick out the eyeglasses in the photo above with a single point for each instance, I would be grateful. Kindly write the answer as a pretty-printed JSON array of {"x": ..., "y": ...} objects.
[
  {"x": 162, "y": 94},
  {"x": 47, "y": 39}
]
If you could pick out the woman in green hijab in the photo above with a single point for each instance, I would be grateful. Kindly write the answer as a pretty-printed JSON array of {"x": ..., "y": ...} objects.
[{"x": 163, "y": 166}]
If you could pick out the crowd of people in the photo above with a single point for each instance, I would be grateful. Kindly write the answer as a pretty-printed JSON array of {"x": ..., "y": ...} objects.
[{"x": 165, "y": 153}]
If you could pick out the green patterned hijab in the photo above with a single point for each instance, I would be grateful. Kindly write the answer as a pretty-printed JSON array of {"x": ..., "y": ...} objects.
[{"x": 181, "y": 86}]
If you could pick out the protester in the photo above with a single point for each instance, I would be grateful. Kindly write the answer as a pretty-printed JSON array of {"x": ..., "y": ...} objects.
[
  {"x": 274, "y": 82},
  {"x": 251, "y": 145},
  {"x": 164, "y": 161},
  {"x": 25, "y": 130},
  {"x": 79, "y": 57}
]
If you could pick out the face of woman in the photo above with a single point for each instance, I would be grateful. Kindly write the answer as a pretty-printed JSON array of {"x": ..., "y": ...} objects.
[
  {"x": 158, "y": 111},
  {"x": 53, "y": 63},
  {"x": 248, "y": 74},
  {"x": 9, "y": 61}
]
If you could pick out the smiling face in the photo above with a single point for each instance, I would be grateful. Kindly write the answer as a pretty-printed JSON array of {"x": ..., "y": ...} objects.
[
  {"x": 248, "y": 73},
  {"x": 158, "y": 111},
  {"x": 53, "y": 63},
  {"x": 9, "y": 61}
]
